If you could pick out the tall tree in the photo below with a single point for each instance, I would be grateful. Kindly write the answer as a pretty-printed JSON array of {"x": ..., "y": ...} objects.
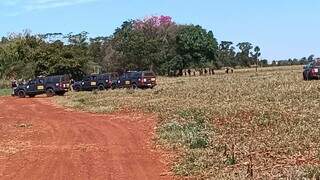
[
  {"x": 256, "y": 56},
  {"x": 244, "y": 55},
  {"x": 310, "y": 58},
  {"x": 226, "y": 54},
  {"x": 143, "y": 44},
  {"x": 195, "y": 47}
]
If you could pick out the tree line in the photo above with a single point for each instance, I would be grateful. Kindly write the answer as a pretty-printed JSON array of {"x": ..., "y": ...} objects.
[
  {"x": 293, "y": 61},
  {"x": 155, "y": 43}
]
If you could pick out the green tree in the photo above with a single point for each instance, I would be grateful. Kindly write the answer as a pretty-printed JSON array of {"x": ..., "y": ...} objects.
[
  {"x": 264, "y": 63},
  {"x": 226, "y": 55},
  {"x": 243, "y": 56},
  {"x": 256, "y": 56},
  {"x": 143, "y": 44},
  {"x": 195, "y": 47},
  {"x": 311, "y": 58},
  {"x": 25, "y": 55}
]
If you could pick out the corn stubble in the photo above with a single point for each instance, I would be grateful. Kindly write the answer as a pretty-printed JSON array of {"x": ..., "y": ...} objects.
[{"x": 237, "y": 126}]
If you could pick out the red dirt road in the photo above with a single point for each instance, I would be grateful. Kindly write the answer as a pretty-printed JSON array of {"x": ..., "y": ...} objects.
[{"x": 41, "y": 141}]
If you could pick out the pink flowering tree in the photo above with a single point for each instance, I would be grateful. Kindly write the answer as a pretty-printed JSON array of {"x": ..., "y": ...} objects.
[{"x": 153, "y": 22}]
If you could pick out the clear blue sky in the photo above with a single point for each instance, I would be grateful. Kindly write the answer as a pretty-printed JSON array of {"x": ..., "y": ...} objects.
[{"x": 282, "y": 28}]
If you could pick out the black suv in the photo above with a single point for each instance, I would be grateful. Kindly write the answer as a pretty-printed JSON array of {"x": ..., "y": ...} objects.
[
  {"x": 92, "y": 82},
  {"x": 137, "y": 79},
  {"x": 51, "y": 85},
  {"x": 312, "y": 70}
]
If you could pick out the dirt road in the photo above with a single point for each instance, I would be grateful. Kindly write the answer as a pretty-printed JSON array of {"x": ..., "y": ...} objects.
[{"x": 41, "y": 141}]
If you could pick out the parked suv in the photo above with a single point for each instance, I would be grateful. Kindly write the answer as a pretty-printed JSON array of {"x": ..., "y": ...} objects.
[
  {"x": 57, "y": 85},
  {"x": 51, "y": 85},
  {"x": 95, "y": 81},
  {"x": 138, "y": 79},
  {"x": 311, "y": 70}
]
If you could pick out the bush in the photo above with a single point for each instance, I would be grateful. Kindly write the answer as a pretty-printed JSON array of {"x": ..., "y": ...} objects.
[{"x": 5, "y": 84}]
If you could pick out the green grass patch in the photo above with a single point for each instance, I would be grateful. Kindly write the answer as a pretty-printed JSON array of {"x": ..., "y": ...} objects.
[
  {"x": 192, "y": 131},
  {"x": 5, "y": 92}
]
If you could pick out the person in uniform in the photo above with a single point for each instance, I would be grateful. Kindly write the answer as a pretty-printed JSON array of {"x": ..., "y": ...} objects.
[{"x": 14, "y": 86}]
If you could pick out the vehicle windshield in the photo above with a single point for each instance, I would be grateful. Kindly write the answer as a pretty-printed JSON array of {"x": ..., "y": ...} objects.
[{"x": 308, "y": 65}]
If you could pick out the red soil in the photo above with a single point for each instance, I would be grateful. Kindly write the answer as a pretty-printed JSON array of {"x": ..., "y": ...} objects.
[{"x": 41, "y": 141}]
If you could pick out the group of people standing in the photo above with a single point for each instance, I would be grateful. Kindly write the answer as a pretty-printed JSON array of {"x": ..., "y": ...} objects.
[
  {"x": 201, "y": 72},
  {"x": 15, "y": 83}
]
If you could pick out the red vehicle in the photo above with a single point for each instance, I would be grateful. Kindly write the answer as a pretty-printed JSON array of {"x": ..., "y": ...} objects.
[{"x": 312, "y": 70}]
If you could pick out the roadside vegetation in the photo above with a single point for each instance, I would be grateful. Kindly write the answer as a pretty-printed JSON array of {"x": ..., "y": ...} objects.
[
  {"x": 238, "y": 126},
  {"x": 5, "y": 92},
  {"x": 5, "y": 88}
]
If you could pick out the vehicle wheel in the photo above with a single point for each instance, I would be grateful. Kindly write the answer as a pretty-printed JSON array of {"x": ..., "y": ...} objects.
[
  {"x": 101, "y": 87},
  {"x": 60, "y": 93},
  {"x": 22, "y": 94},
  {"x": 113, "y": 86},
  {"x": 134, "y": 86},
  {"x": 76, "y": 89},
  {"x": 50, "y": 92}
]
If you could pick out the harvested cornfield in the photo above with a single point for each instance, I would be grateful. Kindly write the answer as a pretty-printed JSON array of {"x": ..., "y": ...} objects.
[{"x": 229, "y": 126}]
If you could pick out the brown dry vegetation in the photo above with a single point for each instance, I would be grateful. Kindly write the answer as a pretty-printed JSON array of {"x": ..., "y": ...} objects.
[{"x": 264, "y": 125}]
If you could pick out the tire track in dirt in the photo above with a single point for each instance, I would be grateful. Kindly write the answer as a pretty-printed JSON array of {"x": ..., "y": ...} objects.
[{"x": 75, "y": 145}]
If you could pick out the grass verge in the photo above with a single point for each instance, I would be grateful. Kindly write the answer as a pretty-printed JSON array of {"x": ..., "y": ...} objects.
[{"x": 5, "y": 92}]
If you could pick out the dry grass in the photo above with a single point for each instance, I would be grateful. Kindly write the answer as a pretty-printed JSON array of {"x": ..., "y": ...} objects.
[{"x": 260, "y": 125}]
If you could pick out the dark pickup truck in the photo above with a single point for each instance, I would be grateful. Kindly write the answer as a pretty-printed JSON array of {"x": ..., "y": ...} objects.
[
  {"x": 312, "y": 70},
  {"x": 137, "y": 79},
  {"x": 92, "y": 82},
  {"x": 51, "y": 85}
]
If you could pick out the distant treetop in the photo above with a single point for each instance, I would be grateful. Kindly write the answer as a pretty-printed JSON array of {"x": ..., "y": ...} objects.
[{"x": 153, "y": 21}]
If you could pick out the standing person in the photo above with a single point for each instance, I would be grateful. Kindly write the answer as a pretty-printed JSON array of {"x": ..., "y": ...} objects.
[
  {"x": 189, "y": 72},
  {"x": 14, "y": 86},
  {"x": 71, "y": 84}
]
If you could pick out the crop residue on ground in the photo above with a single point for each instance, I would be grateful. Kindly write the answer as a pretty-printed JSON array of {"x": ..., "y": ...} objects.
[{"x": 264, "y": 125}]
